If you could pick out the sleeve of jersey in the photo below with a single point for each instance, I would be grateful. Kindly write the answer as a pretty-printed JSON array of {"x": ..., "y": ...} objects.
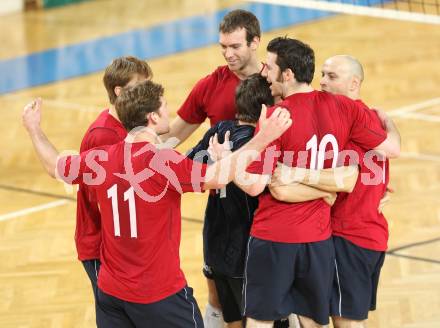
[
  {"x": 367, "y": 130},
  {"x": 189, "y": 175},
  {"x": 71, "y": 168},
  {"x": 101, "y": 137},
  {"x": 267, "y": 161},
  {"x": 193, "y": 110},
  {"x": 83, "y": 168}
]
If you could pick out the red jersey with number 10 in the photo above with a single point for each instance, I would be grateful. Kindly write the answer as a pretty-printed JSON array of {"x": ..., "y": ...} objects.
[{"x": 322, "y": 124}]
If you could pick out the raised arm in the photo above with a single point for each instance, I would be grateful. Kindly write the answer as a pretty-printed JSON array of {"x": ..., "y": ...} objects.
[
  {"x": 228, "y": 168},
  {"x": 46, "y": 151},
  {"x": 179, "y": 129},
  {"x": 339, "y": 179}
]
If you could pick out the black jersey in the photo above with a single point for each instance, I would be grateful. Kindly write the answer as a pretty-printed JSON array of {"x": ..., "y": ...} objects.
[{"x": 230, "y": 211}]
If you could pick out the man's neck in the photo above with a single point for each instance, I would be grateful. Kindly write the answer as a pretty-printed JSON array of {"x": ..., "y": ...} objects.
[
  {"x": 247, "y": 123},
  {"x": 112, "y": 112},
  {"x": 254, "y": 66},
  {"x": 144, "y": 135},
  {"x": 354, "y": 95},
  {"x": 298, "y": 88}
]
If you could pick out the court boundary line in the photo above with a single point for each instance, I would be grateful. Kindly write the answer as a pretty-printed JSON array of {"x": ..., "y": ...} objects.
[
  {"x": 36, "y": 192},
  {"x": 60, "y": 197},
  {"x": 419, "y": 156},
  {"x": 415, "y": 258},
  {"x": 346, "y": 8},
  {"x": 33, "y": 209},
  {"x": 419, "y": 243},
  {"x": 414, "y": 107},
  {"x": 394, "y": 251},
  {"x": 421, "y": 117}
]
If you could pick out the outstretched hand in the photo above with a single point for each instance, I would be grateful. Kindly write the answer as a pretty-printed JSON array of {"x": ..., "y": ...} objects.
[
  {"x": 274, "y": 126},
  {"x": 217, "y": 150},
  {"x": 31, "y": 116}
]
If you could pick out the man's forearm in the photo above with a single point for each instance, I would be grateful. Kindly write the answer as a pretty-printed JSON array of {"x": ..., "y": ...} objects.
[
  {"x": 296, "y": 193},
  {"x": 180, "y": 130},
  {"x": 339, "y": 179},
  {"x": 46, "y": 152},
  {"x": 225, "y": 170}
]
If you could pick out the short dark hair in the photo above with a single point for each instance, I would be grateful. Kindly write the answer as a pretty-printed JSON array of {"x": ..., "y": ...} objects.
[
  {"x": 296, "y": 55},
  {"x": 250, "y": 95},
  {"x": 134, "y": 103},
  {"x": 241, "y": 19},
  {"x": 121, "y": 70}
]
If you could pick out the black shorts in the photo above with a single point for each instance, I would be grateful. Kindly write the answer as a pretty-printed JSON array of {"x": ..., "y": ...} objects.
[
  {"x": 356, "y": 280},
  {"x": 284, "y": 278},
  {"x": 92, "y": 270},
  {"x": 178, "y": 310},
  {"x": 229, "y": 294}
]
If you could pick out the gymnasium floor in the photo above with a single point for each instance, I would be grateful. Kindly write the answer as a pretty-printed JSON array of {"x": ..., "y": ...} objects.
[{"x": 59, "y": 54}]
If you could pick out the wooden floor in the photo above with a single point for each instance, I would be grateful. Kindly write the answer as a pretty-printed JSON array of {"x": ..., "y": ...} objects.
[{"x": 41, "y": 282}]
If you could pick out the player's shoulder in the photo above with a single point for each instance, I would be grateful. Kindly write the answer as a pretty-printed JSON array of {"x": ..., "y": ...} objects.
[
  {"x": 107, "y": 124},
  {"x": 339, "y": 98},
  {"x": 340, "y": 103},
  {"x": 223, "y": 70},
  {"x": 222, "y": 73},
  {"x": 100, "y": 119},
  {"x": 209, "y": 81},
  {"x": 223, "y": 126}
]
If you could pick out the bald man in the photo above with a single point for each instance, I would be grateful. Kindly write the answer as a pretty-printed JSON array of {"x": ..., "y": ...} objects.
[
  {"x": 360, "y": 230},
  {"x": 342, "y": 74}
]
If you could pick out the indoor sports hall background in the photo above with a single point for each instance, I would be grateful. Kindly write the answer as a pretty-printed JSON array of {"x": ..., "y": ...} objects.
[{"x": 59, "y": 52}]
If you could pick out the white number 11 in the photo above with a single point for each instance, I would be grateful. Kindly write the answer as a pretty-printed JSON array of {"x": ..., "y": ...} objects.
[{"x": 112, "y": 193}]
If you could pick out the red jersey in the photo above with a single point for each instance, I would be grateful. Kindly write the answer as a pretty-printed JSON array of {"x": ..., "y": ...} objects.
[
  {"x": 355, "y": 215},
  {"x": 212, "y": 97},
  {"x": 105, "y": 130},
  {"x": 139, "y": 198},
  {"x": 322, "y": 125}
]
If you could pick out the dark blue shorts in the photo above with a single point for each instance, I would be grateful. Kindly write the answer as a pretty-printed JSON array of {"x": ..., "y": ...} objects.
[
  {"x": 229, "y": 294},
  {"x": 92, "y": 270},
  {"x": 356, "y": 280},
  {"x": 284, "y": 278},
  {"x": 178, "y": 310}
]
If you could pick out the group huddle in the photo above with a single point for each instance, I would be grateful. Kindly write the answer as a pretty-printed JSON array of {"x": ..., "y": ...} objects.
[{"x": 293, "y": 232}]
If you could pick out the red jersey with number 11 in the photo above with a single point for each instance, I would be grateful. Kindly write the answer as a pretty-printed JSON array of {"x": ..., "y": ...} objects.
[{"x": 138, "y": 188}]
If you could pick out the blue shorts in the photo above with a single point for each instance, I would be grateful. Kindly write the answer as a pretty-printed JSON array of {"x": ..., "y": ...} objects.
[
  {"x": 177, "y": 310},
  {"x": 92, "y": 270},
  {"x": 285, "y": 278},
  {"x": 229, "y": 294},
  {"x": 356, "y": 280}
]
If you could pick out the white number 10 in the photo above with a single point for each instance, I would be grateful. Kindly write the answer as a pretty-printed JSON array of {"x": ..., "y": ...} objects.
[
  {"x": 112, "y": 193},
  {"x": 319, "y": 152}
]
